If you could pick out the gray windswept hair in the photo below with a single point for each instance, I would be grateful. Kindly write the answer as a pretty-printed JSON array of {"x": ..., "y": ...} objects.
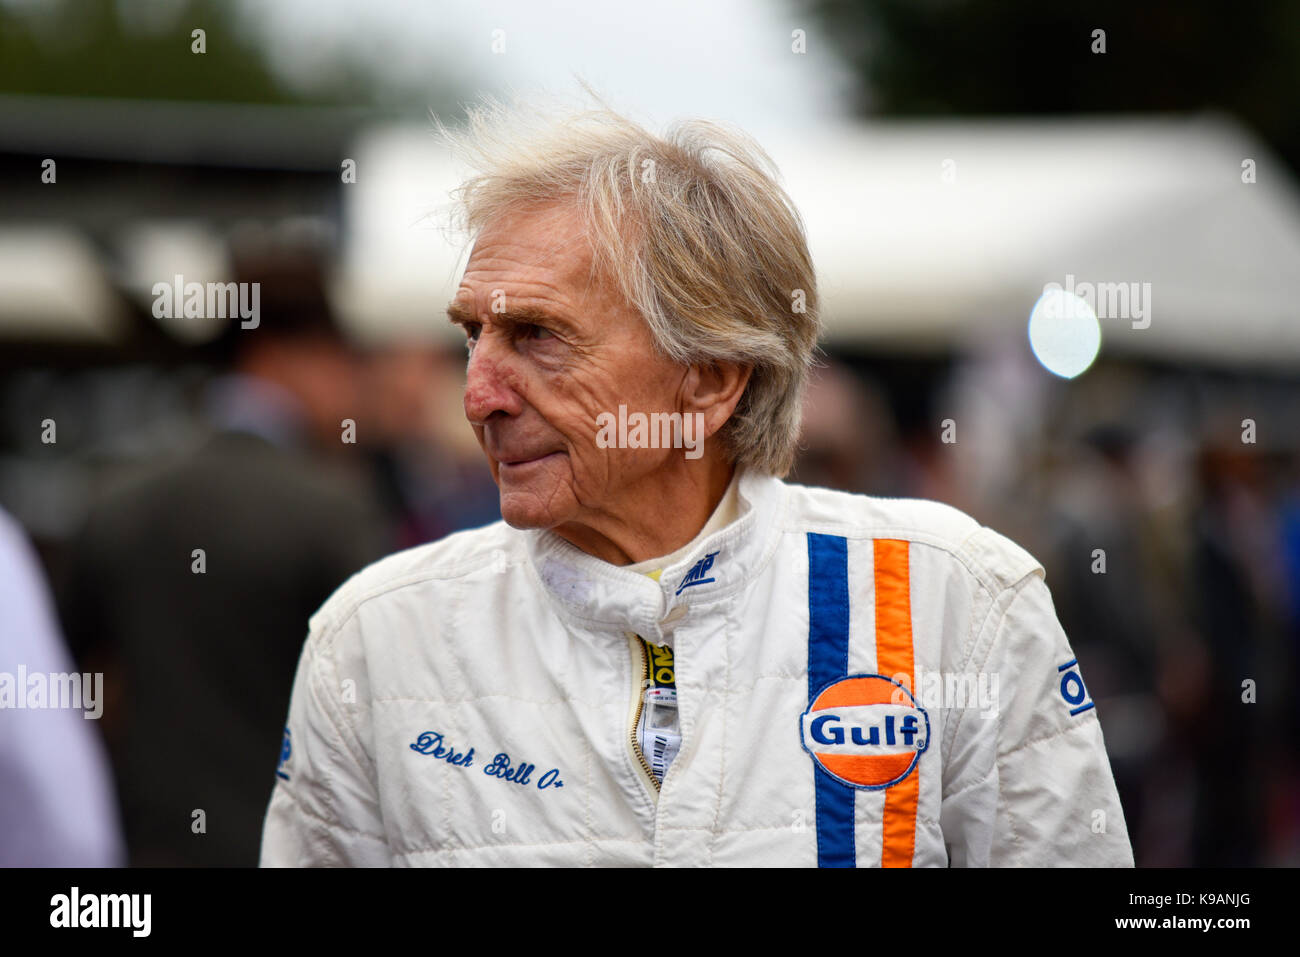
[{"x": 692, "y": 226}]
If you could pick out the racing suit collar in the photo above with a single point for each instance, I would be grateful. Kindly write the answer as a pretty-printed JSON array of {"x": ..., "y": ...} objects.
[{"x": 586, "y": 590}]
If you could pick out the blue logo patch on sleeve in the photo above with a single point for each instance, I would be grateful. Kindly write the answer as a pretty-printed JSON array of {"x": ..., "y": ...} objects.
[
  {"x": 286, "y": 749},
  {"x": 1073, "y": 691}
]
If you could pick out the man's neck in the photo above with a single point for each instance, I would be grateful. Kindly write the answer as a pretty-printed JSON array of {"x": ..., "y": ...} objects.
[{"x": 658, "y": 518}]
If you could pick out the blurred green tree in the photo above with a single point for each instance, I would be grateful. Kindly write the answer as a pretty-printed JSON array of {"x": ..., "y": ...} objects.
[
  {"x": 984, "y": 57},
  {"x": 140, "y": 49}
]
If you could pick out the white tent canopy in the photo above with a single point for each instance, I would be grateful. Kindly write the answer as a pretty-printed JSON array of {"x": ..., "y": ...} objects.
[
  {"x": 53, "y": 287},
  {"x": 930, "y": 234}
]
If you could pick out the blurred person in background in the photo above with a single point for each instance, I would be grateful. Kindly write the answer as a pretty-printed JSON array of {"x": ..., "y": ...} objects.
[
  {"x": 1120, "y": 583},
  {"x": 1284, "y": 809},
  {"x": 57, "y": 807},
  {"x": 1236, "y": 560},
  {"x": 431, "y": 481},
  {"x": 848, "y": 440},
  {"x": 201, "y": 646}
]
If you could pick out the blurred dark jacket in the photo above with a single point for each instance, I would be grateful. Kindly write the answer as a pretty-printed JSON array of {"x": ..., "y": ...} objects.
[{"x": 205, "y": 661}]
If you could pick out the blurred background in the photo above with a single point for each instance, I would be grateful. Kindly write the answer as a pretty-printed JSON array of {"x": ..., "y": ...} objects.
[{"x": 953, "y": 161}]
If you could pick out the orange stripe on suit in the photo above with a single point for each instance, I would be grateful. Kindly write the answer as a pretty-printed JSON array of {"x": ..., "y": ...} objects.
[{"x": 894, "y": 660}]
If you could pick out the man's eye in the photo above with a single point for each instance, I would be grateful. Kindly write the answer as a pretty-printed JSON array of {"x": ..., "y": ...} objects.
[
  {"x": 539, "y": 332},
  {"x": 471, "y": 335}
]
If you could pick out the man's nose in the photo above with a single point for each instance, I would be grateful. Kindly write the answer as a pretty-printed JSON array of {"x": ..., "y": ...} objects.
[{"x": 488, "y": 382}]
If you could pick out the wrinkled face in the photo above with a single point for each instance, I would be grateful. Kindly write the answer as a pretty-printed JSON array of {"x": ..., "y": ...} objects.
[{"x": 550, "y": 349}]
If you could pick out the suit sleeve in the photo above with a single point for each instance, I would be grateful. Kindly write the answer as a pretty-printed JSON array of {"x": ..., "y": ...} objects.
[
  {"x": 1028, "y": 782},
  {"x": 324, "y": 810}
]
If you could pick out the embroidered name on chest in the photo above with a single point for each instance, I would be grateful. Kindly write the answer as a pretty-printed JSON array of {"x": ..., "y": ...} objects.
[{"x": 431, "y": 743}]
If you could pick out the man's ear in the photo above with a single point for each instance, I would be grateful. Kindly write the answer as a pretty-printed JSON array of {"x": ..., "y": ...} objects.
[{"x": 714, "y": 390}]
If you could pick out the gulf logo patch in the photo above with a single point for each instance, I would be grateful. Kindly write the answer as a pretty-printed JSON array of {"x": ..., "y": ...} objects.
[{"x": 866, "y": 731}]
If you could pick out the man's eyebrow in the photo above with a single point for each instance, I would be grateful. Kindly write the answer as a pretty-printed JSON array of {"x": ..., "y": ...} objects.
[
  {"x": 525, "y": 313},
  {"x": 459, "y": 314}
]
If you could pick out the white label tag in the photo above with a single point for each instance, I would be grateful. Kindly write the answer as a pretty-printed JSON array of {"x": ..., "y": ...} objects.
[{"x": 658, "y": 732}]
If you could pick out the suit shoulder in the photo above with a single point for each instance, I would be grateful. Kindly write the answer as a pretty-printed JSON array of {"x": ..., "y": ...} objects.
[
  {"x": 454, "y": 556},
  {"x": 991, "y": 556}
]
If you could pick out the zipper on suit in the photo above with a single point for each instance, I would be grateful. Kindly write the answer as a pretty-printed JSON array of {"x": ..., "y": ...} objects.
[{"x": 640, "y": 679}]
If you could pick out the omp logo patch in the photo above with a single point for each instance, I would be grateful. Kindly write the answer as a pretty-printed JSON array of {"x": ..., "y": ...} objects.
[
  {"x": 286, "y": 750},
  {"x": 696, "y": 575},
  {"x": 1073, "y": 691},
  {"x": 866, "y": 731}
]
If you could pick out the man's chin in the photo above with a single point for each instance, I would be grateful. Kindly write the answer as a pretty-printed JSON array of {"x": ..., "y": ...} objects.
[
  {"x": 522, "y": 510},
  {"x": 522, "y": 520},
  {"x": 530, "y": 493}
]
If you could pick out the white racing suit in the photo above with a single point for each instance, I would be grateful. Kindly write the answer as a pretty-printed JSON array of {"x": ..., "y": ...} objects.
[{"x": 860, "y": 681}]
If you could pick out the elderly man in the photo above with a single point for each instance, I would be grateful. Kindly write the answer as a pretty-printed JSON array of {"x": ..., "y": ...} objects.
[{"x": 664, "y": 654}]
